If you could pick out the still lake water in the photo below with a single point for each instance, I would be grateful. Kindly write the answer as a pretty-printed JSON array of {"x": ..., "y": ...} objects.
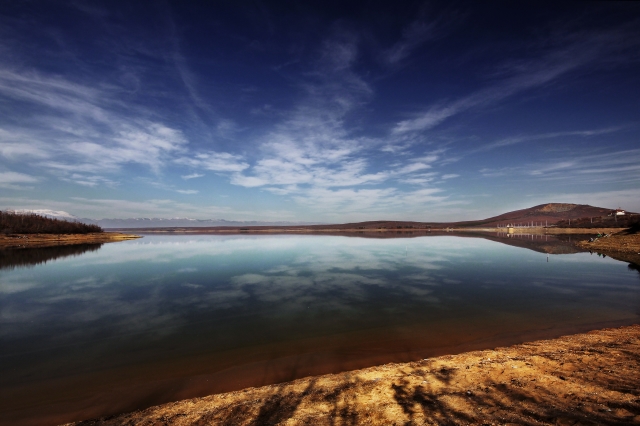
[{"x": 100, "y": 330}]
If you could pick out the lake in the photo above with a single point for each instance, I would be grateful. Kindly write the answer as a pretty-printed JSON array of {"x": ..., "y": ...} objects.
[{"x": 95, "y": 330}]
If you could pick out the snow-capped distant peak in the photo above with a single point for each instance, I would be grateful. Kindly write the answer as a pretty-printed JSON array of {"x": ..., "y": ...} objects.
[{"x": 54, "y": 214}]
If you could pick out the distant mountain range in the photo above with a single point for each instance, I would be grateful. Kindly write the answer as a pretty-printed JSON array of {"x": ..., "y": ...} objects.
[
  {"x": 183, "y": 222},
  {"x": 145, "y": 222},
  {"x": 543, "y": 214}
]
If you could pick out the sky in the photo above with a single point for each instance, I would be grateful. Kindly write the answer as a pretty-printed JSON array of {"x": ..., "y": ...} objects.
[{"x": 318, "y": 111}]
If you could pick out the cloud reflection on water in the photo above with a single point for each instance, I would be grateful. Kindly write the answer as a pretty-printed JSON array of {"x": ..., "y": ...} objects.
[{"x": 161, "y": 284}]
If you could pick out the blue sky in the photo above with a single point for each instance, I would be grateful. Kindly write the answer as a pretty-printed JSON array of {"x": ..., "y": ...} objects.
[{"x": 318, "y": 111}]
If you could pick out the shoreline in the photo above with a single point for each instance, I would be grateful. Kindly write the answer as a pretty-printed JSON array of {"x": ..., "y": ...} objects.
[
  {"x": 52, "y": 240},
  {"x": 591, "y": 378},
  {"x": 621, "y": 246},
  {"x": 315, "y": 229},
  {"x": 619, "y": 243}
]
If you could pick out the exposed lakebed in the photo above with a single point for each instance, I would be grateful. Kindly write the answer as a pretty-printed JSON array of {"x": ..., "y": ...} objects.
[{"x": 147, "y": 321}]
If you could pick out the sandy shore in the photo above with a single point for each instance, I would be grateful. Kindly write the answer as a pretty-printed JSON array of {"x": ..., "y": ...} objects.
[
  {"x": 591, "y": 378},
  {"x": 49, "y": 240}
]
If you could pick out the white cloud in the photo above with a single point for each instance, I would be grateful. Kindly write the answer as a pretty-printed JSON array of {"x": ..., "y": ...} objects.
[
  {"x": 53, "y": 92},
  {"x": 311, "y": 146},
  {"x": 15, "y": 177},
  {"x": 81, "y": 129},
  {"x": 369, "y": 204},
  {"x": 214, "y": 161},
  {"x": 16, "y": 144},
  {"x": 85, "y": 135},
  {"x": 417, "y": 180},
  {"x": 16, "y": 181},
  {"x": 313, "y": 158},
  {"x": 413, "y": 167},
  {"x": 192, "y": 176},
  {"x": 89, "y": 180}
]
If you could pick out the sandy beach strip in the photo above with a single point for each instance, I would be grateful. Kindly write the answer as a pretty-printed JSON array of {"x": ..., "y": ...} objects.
[{"x": 590, "y": 378}]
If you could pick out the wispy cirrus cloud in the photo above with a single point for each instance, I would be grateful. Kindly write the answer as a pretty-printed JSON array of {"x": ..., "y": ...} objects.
[
  {"x": 312, "y": 145},
  {"x": 15, "y": 180},
  {"x": 192, "y": 176},
  {"x": 80, "y": 136},
  {"x": 552, "y": 135},
  {"x": 314, "y": 156},
  {"x": 515, "y": 77},
  {"x": 420, "y": 31},
  {"x": 413, "y": 36},
  {"x": 325, "y": 130},
  {"x": 18, "y": 144},
  {"x": 368, "y": 204},
  {"x": 90, "y": 180},
  {"x": 595, "y": 168},
  {"x": 77, "y": 129},
  {"x": 214, "y": 161}
]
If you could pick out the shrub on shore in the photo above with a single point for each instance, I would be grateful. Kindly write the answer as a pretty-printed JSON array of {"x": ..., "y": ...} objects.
[{"x": 30, "y": 223}]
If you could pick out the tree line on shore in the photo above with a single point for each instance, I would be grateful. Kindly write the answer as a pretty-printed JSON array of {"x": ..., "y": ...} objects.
[{"x": 31, "y": 223}]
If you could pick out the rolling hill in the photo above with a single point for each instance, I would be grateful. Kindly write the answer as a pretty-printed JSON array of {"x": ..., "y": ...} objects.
[{"x": 542, "y": 215}]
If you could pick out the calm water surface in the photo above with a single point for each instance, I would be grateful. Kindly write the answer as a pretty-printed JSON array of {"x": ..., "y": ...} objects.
[{"x": 134, "y": 324}]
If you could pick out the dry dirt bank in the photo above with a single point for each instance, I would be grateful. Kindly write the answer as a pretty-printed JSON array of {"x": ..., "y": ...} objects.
[
  {"x": 591, "y": 378},
  {"x": 621, "y": 243},
  {"x": 48, "y": 240}
]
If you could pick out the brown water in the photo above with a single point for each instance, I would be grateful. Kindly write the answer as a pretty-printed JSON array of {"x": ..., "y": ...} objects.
[{"x": 142, "y": 322}]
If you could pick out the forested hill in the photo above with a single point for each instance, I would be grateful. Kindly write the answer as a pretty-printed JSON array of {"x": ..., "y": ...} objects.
[{"x": 18, "y": 223}]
